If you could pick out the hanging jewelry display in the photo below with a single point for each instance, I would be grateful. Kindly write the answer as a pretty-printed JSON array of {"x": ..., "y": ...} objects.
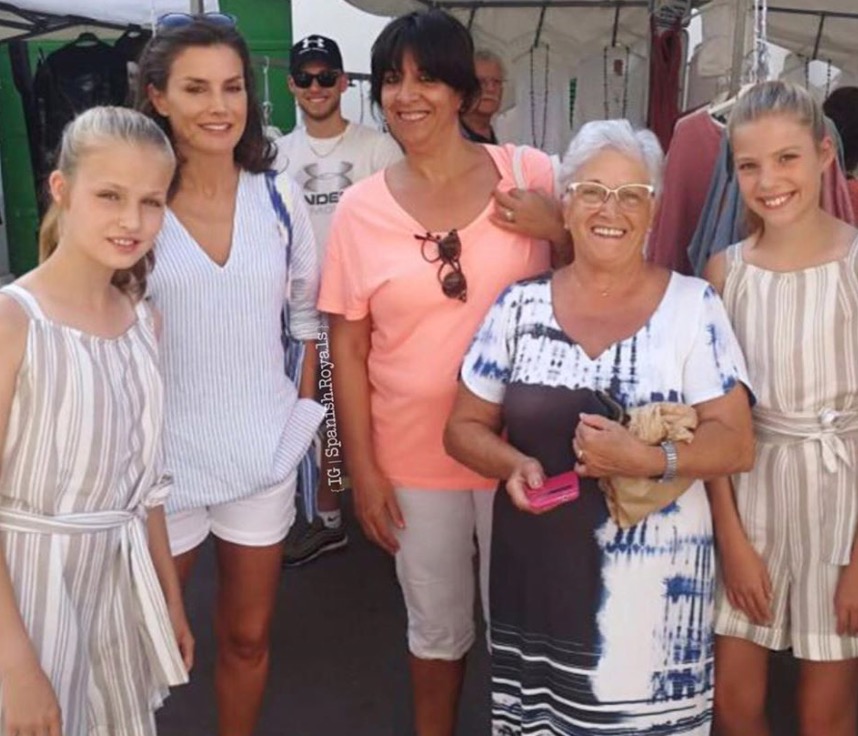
[
  {"x": 760, "y": 62},
  {"x": 616, "y": 97},
  {"x": 828, "y": 78},
  {"x": 540, "y": 142}
]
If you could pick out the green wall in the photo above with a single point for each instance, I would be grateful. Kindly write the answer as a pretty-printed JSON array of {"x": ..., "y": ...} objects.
[
  {"x": 19, "y": 193},
  {"x": 267, "y": 26}
]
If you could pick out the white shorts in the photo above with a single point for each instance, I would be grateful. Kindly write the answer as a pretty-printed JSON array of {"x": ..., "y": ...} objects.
[
  {"x": 259, "y": 520},
  {"x": 435, "y": 567}
]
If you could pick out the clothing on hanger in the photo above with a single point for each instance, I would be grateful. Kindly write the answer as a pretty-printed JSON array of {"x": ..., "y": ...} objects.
[
  {"x": 611, "y": 83},
  {"x": 690, "y": 164},
  {"x": 80, "y": 75},
  {"x": 130, "y": 45},
  {"x": 666, "y": 59}
]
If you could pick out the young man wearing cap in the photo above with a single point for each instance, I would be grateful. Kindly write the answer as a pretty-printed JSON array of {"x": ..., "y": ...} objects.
[{"x": 326, "y": 155}]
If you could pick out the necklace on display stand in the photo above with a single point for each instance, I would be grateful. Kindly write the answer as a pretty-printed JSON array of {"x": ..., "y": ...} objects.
[
  {"x": 541, "y": 143},
  {"x": 828, "y": 76},
  {"x": 334, "y": 146},
  {"x": 621, "y": 100}
]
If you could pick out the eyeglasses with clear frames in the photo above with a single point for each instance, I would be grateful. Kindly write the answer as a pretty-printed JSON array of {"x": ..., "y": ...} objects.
[{"x": 630, "y": 197}]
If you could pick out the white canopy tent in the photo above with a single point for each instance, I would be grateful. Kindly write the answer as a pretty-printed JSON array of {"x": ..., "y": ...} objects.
[
  {"x": 586, "y": 36},
  {"x": 813, "y": 28},
  {"x": 23, "y": 19}
]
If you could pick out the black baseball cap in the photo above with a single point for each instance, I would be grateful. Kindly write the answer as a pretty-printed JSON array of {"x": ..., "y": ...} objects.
[{"x": 315, "y": 48}]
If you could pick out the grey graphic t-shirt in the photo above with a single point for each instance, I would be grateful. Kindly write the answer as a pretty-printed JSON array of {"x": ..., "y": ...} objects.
[{"x": 325, "y": 167}]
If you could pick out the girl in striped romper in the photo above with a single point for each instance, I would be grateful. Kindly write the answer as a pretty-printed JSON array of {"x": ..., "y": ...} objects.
[
  {"x": 92, "y": 626},
  {"x": 786, "y": 530}
]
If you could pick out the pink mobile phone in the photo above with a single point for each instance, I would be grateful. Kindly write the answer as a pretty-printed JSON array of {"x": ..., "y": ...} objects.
[{"x": 556, "y": 490}]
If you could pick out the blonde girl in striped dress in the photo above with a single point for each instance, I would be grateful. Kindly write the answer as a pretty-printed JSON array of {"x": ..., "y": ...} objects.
[
  {"x": 786, "y": 530},
  {"x": 92, "y": 626}
]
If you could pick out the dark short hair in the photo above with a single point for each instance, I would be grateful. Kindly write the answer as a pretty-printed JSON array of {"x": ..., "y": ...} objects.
[
  {"x": 842, "y": 107},
  {"x": 253, "y": 152},
  {"x": 442, "y": 47}
]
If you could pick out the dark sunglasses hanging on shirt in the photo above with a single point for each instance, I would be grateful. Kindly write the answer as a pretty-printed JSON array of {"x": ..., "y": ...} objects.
[{"x": 453, "y": 283}]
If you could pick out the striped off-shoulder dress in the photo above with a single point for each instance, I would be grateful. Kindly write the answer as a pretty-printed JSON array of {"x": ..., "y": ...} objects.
[{"x": 79, "y": 468}]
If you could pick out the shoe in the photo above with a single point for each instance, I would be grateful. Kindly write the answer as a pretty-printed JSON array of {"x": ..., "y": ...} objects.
[{"x": 309, "y": 542}]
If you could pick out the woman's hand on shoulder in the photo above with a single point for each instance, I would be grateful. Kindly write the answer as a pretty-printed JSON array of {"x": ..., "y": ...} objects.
[
  {"x": 529, "y": 212},
  {"x": 30, "y": 705},
  {"x": 527, "y": 473},
  {"x": 376, "y": 508}
]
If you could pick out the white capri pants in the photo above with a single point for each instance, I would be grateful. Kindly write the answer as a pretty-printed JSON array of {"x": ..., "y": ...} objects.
[{"x": 435, "y": 567}]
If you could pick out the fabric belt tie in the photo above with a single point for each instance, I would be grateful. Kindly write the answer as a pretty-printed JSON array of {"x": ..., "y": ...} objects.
[
  {"x": 165, "y": 658},
  {"x": 827, "y": 428}
]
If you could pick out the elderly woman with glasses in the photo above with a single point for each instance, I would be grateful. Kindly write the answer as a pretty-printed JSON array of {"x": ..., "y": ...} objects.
[
  {"x": 594, "y": 627},
  {"x": 413, "y": 263}
]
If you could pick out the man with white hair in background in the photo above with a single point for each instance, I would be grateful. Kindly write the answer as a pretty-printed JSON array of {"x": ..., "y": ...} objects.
[{"x": 477, "y": 122}]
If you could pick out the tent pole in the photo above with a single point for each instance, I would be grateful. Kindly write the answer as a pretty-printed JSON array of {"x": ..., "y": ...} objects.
[{"x": 738, "y": 45}]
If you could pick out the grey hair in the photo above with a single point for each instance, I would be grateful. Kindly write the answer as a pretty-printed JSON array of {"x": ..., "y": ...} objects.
[
  {"x": 614, "y": 135},
  {"x": 489, "y": 55}
]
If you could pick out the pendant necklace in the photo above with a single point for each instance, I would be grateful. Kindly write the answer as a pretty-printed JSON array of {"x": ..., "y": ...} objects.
[
  {"x": 603, "y": 292},
  {"x": 624, "y": 100}
]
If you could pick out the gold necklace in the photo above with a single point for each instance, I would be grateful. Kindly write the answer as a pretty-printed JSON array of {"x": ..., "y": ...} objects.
[{"x": 603, "y": 292}]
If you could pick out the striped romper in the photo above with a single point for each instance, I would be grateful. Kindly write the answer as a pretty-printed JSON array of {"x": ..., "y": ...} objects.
[
  {"x": 799, "y": 505},
  {"x": 78, "y": 472}
]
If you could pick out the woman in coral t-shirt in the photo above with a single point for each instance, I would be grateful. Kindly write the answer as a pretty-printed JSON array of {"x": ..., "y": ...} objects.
[{"x": 415, "y": 258}]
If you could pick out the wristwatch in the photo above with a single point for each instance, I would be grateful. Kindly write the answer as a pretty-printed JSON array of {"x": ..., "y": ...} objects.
[{"x": 670, "y": 457}]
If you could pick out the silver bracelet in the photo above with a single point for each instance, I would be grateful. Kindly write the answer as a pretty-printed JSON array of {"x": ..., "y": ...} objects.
[{"x": 670, "y": 457}]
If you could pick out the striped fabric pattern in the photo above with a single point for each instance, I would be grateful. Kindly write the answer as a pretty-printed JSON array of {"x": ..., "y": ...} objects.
[
  {"x": 81, "y": 452},
  {"x": 234, "y": 424},
  {"x": 799, "y": 505}
]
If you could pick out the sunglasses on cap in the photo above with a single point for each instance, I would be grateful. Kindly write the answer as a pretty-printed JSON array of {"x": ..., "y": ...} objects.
[
  {"x": 169, "y": 21},
  {"x": 327, "y": 78}
]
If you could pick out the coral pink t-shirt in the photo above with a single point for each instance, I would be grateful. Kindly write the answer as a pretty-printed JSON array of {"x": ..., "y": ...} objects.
[{"x": 374, "y": 267}]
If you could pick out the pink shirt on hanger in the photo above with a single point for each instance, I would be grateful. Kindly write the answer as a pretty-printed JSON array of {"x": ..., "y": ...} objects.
[{"x": 688, "y": 173}]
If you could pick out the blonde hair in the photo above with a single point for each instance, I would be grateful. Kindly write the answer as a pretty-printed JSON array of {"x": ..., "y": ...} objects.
[
  {"x": 96, "y": 127},
  {"x": 779, "y": 98},
  {"x": 767, "y": 99}
]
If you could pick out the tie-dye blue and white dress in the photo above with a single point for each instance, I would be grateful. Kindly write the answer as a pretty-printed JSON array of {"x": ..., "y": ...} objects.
[{"x": 594, "y": 629}]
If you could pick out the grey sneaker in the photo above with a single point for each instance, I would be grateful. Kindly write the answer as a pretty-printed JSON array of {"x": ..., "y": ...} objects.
[{"x": 308, "y": 542}]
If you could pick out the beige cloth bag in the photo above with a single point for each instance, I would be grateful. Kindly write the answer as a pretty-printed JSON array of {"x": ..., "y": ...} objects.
[{"x": 631, "y": 499}]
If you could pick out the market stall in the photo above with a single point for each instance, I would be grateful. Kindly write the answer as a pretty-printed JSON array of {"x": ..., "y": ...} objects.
[{"x": 604, "y": 48}]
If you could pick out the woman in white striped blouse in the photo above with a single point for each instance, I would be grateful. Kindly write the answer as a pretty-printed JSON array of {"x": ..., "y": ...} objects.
[{"x": 235, "y": 425}]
